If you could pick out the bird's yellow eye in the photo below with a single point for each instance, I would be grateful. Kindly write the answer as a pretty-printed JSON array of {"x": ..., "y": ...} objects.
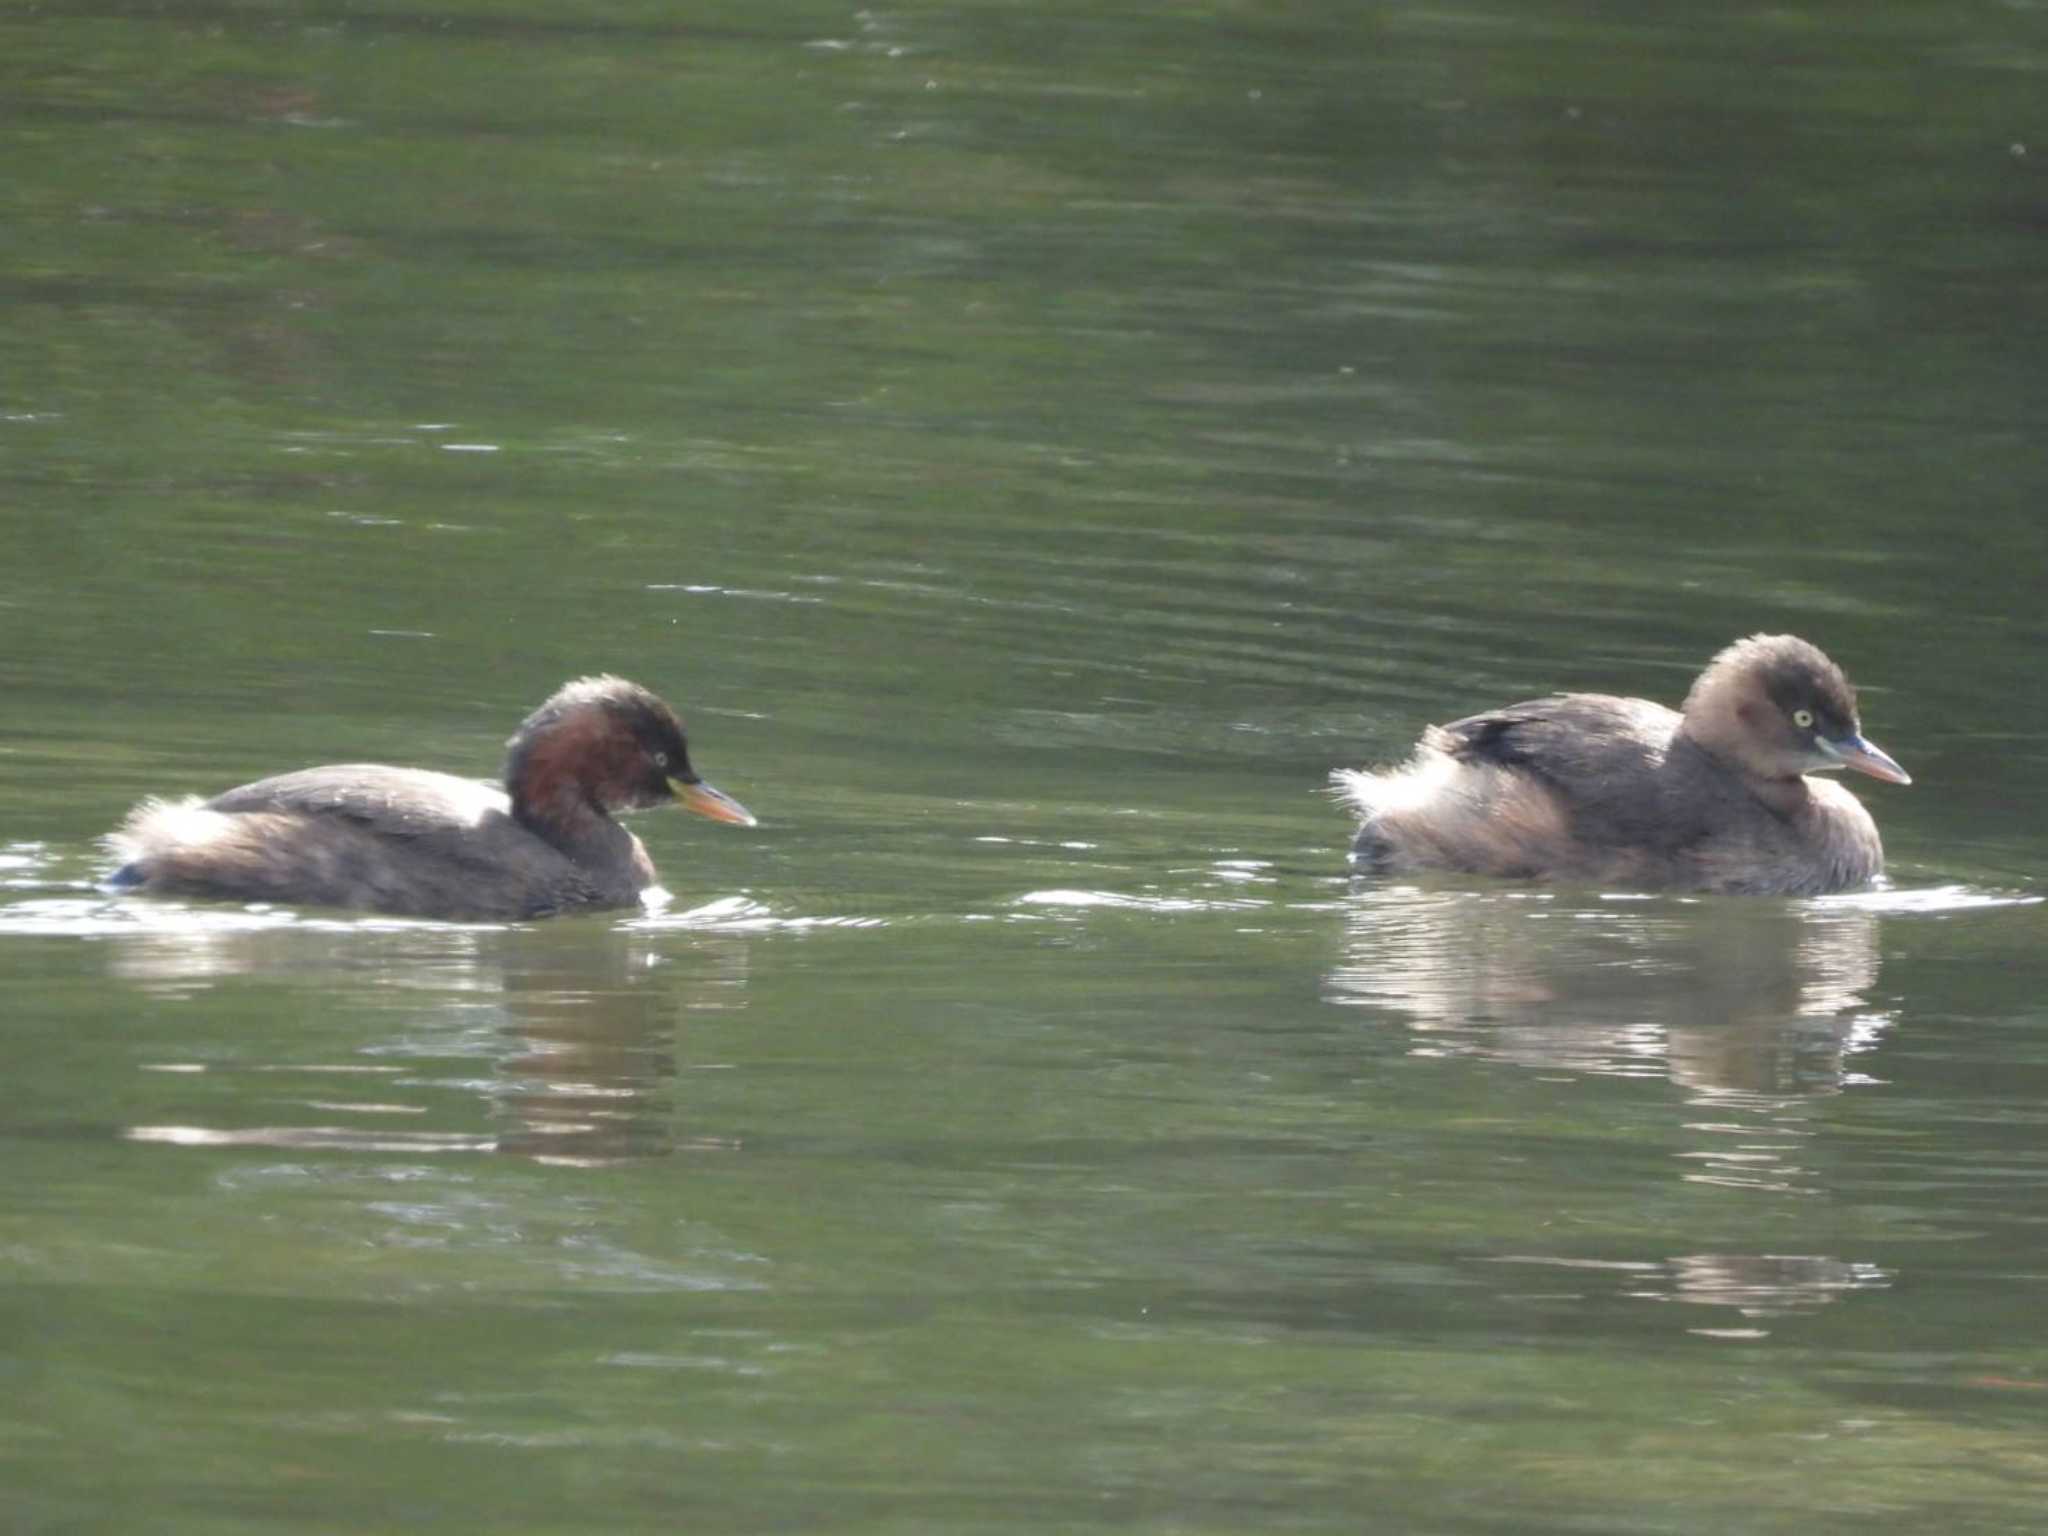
[
  {"x": 1803, "y": 718},
  {"x": 661, "y": 759}
]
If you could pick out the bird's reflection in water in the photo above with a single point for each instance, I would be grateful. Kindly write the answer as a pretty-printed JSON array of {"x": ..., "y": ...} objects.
[
  {"x": 1754, "y": 1008},
  {"x": 1765, "y": 1284},
  {"x": 593, "y": 1075},
  {"x": 557, "y": 1044},
  {"x": 1753, "y": 1286},
  {"x": 1725, "y": 996}
]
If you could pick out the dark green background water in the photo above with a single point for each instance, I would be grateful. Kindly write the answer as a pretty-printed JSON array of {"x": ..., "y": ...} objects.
[{"x": 1034, "y": 444}]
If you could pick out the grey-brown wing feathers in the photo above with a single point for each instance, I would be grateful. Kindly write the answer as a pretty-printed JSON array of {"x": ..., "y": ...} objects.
[{"x": 393, "y": 802}]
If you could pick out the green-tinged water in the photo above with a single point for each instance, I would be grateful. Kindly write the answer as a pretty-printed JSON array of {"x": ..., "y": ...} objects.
[{"x": 1033, "y": 445}]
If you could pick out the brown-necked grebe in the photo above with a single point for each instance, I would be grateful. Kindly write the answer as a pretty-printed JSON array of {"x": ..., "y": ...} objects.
[
  {"x": 1584, "y": 786},
  {"x": 421, "y": 844}
]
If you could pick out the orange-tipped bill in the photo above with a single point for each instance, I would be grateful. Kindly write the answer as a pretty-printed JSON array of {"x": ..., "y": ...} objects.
[
  {"x": 1865, "y": 757},
  {"x": 715, "y": 803}
]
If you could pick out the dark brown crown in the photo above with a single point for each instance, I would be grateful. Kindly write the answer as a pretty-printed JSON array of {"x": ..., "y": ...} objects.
[
  {"x": 1793, "y": 673},
  {"x": 614, "y": 742}
]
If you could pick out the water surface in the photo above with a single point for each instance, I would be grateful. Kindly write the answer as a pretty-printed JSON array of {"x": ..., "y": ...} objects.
[{"x": 1033, "y": 446}]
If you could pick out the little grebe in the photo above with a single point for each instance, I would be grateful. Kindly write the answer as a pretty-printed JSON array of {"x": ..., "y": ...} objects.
[
  {"x": 420, "y": 844},
  {"x": 1583, "y": 786}
]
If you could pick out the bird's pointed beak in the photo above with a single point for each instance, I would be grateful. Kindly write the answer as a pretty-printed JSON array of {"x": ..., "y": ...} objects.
[
  {"x": 1852, "y": 751},
  {"x": 714, "y": 803}
]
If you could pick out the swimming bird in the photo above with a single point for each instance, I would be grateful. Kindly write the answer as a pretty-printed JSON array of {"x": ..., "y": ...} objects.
[
  {"x": 417, "y": 843},
  {"x": 1716, "y": 796}
]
